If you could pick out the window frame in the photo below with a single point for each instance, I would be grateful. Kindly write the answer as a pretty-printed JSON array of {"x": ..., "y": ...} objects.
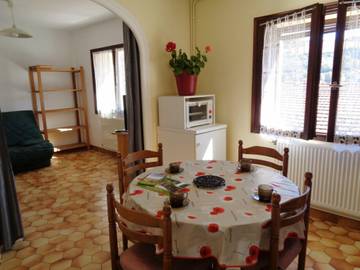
[
  {"x": 314, "y": 66},
  {"x": 106, "y": 48}
]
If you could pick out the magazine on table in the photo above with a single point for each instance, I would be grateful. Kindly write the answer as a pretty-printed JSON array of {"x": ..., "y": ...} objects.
[{"x": 160, "y": 182}]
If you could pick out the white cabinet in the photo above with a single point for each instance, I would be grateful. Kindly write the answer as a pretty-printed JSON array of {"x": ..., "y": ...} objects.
[
  {"x": 211, "y": 145},
  {"x": 200, "y": 143}
]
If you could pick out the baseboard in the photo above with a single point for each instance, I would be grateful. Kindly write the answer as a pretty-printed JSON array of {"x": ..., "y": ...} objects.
[
  {"x": 340, "y": 220},
  {"x": 103, "y": 150},
  {"x": 92, "y": 147}
]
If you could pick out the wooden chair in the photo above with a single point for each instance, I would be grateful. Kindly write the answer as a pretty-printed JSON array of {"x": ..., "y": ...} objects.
[
  {"x": 135, "y": 163},
  {"x": 266, "y": 151},
  {"x": 142, "y": 256},
  {"x": 282, "y": 215}
]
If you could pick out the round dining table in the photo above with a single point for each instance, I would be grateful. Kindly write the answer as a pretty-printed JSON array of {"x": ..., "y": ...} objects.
[{"x": 227, "y": 222}]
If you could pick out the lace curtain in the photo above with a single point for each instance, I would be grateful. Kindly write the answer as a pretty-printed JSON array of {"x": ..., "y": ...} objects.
[
  {"x": 109, "y": 104},
  {"x": 284, "y": 75},
  {"x": 348, "y": 112}
]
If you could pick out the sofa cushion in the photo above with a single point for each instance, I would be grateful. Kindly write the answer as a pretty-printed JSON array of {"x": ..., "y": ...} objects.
[
  {"x": 21, "y": 128},
  {"x": 23, "y": 156}
]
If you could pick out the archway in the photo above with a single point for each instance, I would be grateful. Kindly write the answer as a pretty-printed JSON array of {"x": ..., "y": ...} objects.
[{"x": 115, "y": 7}]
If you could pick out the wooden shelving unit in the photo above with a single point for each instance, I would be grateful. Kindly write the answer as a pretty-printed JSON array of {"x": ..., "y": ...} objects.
[{"x": 80, "y": 102}]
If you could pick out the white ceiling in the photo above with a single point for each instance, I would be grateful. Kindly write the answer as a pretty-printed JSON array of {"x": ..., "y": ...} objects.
[{"x": 54, "y": 14}]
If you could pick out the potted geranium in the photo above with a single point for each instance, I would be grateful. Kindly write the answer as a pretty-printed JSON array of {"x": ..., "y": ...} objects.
[{"x": 186, "y": 69}]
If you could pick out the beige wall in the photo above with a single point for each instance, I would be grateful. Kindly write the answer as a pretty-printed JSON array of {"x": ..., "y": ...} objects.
[
  {"x": 228, "y": 26},
  {"x": 161, "y": 21}
]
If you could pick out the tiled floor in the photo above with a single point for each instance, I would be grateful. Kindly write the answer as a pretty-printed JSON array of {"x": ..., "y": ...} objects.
[{"x": 64, "y": 215}]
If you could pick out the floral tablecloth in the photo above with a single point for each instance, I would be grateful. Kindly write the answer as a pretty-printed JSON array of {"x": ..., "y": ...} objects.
[{"x": 226, "y": 223}]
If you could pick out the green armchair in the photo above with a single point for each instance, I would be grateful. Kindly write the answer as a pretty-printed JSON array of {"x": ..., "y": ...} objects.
[{"x": 27, "y": 148}]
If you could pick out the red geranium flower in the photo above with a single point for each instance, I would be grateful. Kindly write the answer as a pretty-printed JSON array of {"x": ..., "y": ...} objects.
[
  {"x": 170, "y": 46},
  {"x": 228, "y": 198},
  {"x": 213, "y": 227},
  {"x": 199, "y": 174},
  {"x": 208, "y": 49},
  {"x": 205, "y": 251}
]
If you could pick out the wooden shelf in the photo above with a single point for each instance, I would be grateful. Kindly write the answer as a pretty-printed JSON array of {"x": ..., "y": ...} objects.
[
  {"x": 69, "y": 146},
  {"x": 44, "y": 68},
  {"x": 59, "y": 90},
  {"x": 77, "y": 92},
  {"x": 64, "y": 129},
  {"x": 61, "y": 110}
]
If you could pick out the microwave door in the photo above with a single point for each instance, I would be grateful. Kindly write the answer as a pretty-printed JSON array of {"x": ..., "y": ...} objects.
[{"x": 197, "y": 114}]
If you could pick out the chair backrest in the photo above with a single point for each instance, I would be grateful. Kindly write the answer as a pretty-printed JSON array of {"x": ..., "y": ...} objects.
[
  {"x": 289, "y": 213},
  {"x": 134, "y": 163},
  {"x": 268, "y": 152},
  {"x": 117, "y": 213}
]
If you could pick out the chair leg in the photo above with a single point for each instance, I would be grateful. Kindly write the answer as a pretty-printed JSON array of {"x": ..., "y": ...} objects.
[
  {"x": 124, "y": 242},
  {"x": 302, "y": 258}
]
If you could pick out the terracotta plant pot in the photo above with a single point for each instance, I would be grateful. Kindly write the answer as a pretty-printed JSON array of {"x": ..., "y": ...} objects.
[{"x": 186, "y": 84}]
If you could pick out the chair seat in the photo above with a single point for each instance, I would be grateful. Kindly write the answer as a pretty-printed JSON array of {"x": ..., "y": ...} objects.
[
  {"x": 142, "y": 257},
  {"x": 291, "y": 250}
]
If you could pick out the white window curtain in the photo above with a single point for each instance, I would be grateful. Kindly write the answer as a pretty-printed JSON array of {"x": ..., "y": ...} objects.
[
  {"x": 284, "y": 75},
  {"x": 108, "y": 105},
  {"x": 120, "y": 78},
  {"x": 348, "y": 111}
]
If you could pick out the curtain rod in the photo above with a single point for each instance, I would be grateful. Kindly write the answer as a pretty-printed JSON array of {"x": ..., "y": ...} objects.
[{"x": 298, "y": 12}]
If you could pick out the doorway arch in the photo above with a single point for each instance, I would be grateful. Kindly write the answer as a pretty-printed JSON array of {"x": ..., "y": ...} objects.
[{"x": 116, "y": 8}]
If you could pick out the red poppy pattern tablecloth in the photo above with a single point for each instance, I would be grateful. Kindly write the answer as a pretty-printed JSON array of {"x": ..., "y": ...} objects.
[{"x": 226, "y": 223}]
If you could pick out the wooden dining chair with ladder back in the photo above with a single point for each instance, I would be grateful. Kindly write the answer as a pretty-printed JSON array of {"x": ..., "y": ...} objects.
[
  {"x": 132, "y": 165},
  {"x": 282, "y": 215},
  {"x": 142, "y": 255},
  {"x": 267, "y": 152}
]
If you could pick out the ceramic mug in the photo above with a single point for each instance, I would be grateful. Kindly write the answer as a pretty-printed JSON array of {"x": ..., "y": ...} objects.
[
  {"x": 265, "y": 192},
  {"x": 174, "y": 167},
  {"x": 244, "y": 165},
  {"x": 178, "y": 199}
]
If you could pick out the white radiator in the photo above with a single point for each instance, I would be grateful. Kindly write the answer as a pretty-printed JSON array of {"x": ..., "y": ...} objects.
[{"x": 336, "y": 175}]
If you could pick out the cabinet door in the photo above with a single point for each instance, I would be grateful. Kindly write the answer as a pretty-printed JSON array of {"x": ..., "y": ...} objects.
[
  {"x": 177, "y": 145},
  {"x": 211, "y": 145}
]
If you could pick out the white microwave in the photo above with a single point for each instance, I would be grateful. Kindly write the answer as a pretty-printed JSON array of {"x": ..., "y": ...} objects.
[{"x": 184, "y": 112}]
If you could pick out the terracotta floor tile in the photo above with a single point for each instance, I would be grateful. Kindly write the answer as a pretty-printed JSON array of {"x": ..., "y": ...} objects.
[
  {"x": 320, "y": 257},
  {"x": 31, "y": 260},
  {"x": 341, "y": 265},
  {"x": 40, "y": 266},
  {"x": 61, "y": 264},
  {"x": 65, "y": 221},
  {"x": 11, "y": 263},
  {"x": 81, "y": 261}
]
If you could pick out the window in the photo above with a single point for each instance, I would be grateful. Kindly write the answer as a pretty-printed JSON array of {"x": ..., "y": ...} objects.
[
  {"x": 108, "y": 66},
  {"x": 306, "y": 73}
]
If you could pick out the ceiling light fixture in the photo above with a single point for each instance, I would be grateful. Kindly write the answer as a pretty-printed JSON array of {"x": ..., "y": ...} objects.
[{"x": 13, "y": 31}]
